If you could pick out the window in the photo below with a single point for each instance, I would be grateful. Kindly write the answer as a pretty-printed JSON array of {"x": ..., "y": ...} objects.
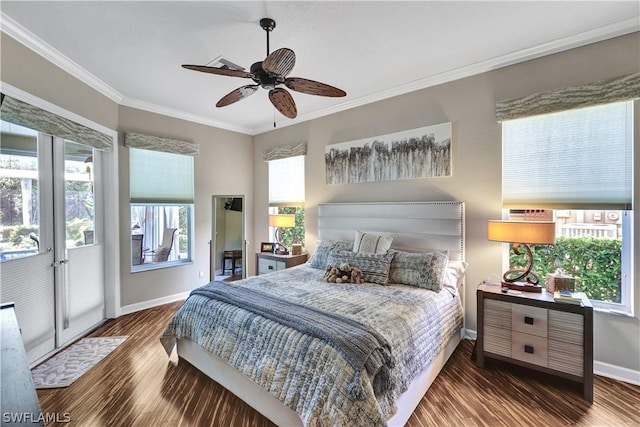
[
  {"x": 161, "y": 195},
  {"x": 575, "y": 167},
  {"x": 79, "y": 195},
  {"x": 286, "y": 196},
  {"x": 590, "y": 246},
  {"x": 19, "y": 184}
]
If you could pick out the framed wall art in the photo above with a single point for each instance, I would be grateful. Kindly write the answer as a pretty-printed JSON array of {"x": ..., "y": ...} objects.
[{"x": 412, "y": 154}]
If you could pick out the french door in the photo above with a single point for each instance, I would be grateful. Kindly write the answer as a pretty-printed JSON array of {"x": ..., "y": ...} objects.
[{"x": 52, "y": 255}]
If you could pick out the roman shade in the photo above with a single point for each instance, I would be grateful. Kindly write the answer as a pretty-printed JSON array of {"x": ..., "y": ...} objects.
[
  {"x": 24, "y": 114},
  {"x": 608, "y": 91},
  {"x": 167, "y": 145},
  {"x": 285, "y": 151}
]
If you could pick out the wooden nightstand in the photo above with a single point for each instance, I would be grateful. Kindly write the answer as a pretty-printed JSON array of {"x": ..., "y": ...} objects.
[
  {"x": 268, "y": 263},
  {"x": 534, "y": 331}
]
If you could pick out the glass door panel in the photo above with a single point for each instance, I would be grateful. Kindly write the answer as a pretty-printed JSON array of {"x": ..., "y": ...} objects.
[
  {"x": 20, "y": 202},
  {"x": 81, "y": 296},
  {"x": 26, "y": 227}
]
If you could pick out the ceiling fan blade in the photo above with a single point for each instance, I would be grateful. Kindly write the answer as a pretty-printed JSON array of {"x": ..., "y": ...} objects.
[
  {"x": 216, "y": 70},
  {"x": 311, "y": 87},
  {"x": 280, "y": 62},
  {"x": 236, "y": 95},
  {"x": 283, "y": 101}
]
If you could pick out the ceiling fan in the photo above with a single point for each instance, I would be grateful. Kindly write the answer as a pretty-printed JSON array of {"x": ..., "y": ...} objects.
[{"x": 271, "y": 74}]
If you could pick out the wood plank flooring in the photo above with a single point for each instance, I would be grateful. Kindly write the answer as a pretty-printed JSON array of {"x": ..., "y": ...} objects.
[{"x": 137, "y": 385}]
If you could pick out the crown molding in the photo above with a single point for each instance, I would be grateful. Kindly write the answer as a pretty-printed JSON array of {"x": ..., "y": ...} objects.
[
  {"x": 22, "y": 35},
  {"x": 580, "y": 39},
  {"x": 179, "y": 114},
  {"x": 51, "y": 54}
]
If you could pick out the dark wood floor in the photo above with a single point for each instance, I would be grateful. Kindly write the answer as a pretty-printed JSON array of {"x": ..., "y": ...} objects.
[{"x": 137, "y": 385}]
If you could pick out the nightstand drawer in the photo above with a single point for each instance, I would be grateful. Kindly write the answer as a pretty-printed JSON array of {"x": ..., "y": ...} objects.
[
  {"x": 497, "y": 314},
  {"x": 529, "y": 320},
  {"x": 566, "y": 342},
  {"x": 270, "y": 265},
  {"x": 529, "y": 348},
  {"x": 497, "y": 340}
]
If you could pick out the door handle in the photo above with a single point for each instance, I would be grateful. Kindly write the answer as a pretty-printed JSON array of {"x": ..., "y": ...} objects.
[{"x": 57, "y": 264}]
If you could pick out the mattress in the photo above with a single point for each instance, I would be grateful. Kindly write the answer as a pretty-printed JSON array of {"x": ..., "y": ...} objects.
[{"x": 306, "y": 373}]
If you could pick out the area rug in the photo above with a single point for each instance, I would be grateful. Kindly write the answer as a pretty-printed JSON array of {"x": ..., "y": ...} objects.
[{"x": 71, "y": 363}]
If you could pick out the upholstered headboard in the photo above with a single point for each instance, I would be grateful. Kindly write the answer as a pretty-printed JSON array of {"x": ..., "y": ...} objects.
[{"x": 415, "y": 226}]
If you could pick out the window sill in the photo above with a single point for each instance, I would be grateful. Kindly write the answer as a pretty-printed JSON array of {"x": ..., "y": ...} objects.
[
  {"x": 148, "y": 266},
  {"x": 623, "y": 312}
]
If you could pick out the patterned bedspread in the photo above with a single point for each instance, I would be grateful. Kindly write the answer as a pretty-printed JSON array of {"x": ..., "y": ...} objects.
[{"x": 306, "y": 373}]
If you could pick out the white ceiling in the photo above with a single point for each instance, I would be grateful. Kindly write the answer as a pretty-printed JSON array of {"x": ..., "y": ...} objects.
[{"x": 132, "y": 51}]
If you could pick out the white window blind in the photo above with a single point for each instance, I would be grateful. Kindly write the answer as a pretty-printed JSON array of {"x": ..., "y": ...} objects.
[
  {"x": 160, "y": 177},
  {"x": 575, "y": 159},
  {"x": 286, "y": 181}
]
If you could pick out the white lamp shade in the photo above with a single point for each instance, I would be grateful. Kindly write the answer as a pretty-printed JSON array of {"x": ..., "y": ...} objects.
[
  {"x": 529, "y": 232},
  {"x": 282, "y": 220}
]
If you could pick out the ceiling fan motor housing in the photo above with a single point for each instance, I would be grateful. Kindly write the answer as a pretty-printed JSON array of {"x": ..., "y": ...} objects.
[{"x": 263, "y": 78}]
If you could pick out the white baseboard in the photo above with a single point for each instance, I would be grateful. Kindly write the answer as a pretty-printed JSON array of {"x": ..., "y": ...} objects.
[
  {"x": 132, "y": 308},
  {"x": 599, "y": 368},
  {"x": 616, "y": 372}
]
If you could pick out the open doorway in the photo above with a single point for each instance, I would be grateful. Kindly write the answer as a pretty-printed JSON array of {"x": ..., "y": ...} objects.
[{"x": 228, "y": 244}]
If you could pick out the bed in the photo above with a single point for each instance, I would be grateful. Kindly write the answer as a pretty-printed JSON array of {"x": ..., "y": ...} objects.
[{"x": 299, "y": 375}]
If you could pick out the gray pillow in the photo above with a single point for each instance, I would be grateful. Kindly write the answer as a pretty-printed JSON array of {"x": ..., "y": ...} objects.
[
  {"x": 375, "y": 267},
  {"x": 423, "y": 270},
  {"x": 324, "y": 248}
]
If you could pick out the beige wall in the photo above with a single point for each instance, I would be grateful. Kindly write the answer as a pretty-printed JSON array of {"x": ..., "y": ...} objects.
[
  {"x": 223, "y": 167},
  {"x": 470, "y": 105},
  {"x": 26, "y": 70}
]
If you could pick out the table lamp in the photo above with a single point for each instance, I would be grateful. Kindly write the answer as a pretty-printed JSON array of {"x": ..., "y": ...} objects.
[
  {"x": 523, "y": 233},
  {"x": 280, "y": 221}
]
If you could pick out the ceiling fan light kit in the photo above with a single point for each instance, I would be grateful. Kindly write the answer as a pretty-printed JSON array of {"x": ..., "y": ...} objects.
[{"x": 271, "y": 74}]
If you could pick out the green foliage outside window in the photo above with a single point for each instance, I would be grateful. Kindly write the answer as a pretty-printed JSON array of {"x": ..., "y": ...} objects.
[
  {"x": 296, "y": 234},
  {"x": 595, "y": 264}
]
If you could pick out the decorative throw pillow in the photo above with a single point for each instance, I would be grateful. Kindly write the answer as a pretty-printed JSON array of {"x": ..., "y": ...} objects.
[
  {"x": 323, "y": 249},
  {"x": 374, "y": 267},
  {"x": 423, "y": 270},
  {"x": 372, "y": 243}
]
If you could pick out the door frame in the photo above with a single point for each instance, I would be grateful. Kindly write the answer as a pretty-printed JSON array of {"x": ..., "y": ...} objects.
[
  {"x": 213, "y": 249},
  {"x": 111, "y": 195}
]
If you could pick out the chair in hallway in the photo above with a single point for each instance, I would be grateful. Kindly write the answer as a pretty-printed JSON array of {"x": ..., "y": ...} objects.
[{"x": 161, "y": 253}]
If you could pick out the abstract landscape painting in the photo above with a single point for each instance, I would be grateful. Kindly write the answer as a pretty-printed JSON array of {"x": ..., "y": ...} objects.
[{"x": 412, "y": 154}]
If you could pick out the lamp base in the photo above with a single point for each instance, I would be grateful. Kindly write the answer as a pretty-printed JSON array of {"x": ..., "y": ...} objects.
[
  {"x": 280, "y": 249},
  {"x": 523, "y": 286}
]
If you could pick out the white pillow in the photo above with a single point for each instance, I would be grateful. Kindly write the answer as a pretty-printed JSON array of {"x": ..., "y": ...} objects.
[
  {"x": 372, "y": 243},
  {"x": 454, "y": 274}
]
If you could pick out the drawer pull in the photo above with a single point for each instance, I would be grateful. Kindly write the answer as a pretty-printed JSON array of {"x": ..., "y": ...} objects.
[
  {"x": 528, "y": 320},
  {"x": 528, "y": 349}
]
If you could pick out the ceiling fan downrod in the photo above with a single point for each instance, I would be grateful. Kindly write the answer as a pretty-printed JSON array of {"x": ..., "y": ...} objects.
[{"x": 268, "y": 25}]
